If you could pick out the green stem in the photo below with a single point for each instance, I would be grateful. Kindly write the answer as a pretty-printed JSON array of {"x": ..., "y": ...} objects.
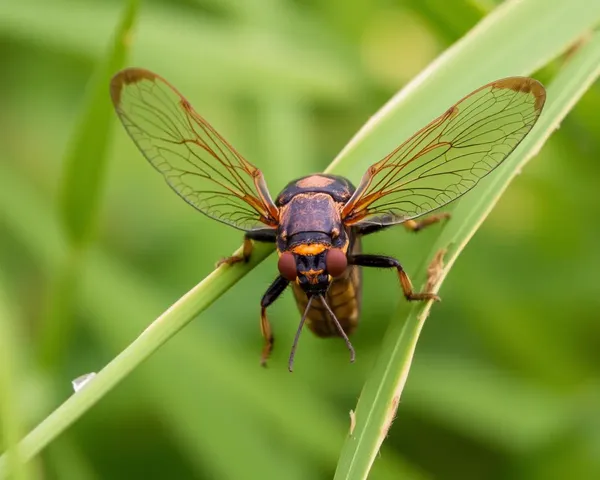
[{"x": 9, "y": 411}]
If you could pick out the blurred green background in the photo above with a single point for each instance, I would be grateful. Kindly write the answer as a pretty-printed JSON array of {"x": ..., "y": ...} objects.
[{"x": 506, "y": 380}]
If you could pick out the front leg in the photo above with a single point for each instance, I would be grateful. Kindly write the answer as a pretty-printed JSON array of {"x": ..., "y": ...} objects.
[
  {"x": 272, "y": 294},
  {"x": 381, "y": 261},
  {"x": 268, "y": 235}
]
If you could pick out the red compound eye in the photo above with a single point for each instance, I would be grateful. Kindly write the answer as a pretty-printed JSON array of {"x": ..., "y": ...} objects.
[
  {"x": 336, "y": 262},
  {"x": 287, "y": 266}
]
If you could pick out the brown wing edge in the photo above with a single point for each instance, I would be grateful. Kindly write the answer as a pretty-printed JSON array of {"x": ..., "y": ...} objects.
[
  {"x": 128, "y": 76},
  {"x": 517, "y": 84},
  {"x": 522, "y": 84}
]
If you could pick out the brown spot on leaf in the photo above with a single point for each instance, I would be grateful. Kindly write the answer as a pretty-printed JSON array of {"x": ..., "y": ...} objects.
[
  {"x": 435, "y": 269},
  {"x": 390, "y": 415}
]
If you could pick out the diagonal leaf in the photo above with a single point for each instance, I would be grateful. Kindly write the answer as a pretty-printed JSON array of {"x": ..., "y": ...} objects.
[{"x": 380, "y": 397}]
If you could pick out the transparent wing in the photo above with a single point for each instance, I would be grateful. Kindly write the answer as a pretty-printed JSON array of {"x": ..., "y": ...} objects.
[
  {"x": 449, "y": 156},
  {"x": 195, "y": 160}
]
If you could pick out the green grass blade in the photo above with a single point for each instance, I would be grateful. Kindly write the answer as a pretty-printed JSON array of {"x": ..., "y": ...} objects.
[
  {"x": 83, "y": 178},
  {"x": 379, "y": 400},
  {"x": 10, "y": 428},
  {"x": 517, "y": 38},
  {"x": 85, "y": 163}
]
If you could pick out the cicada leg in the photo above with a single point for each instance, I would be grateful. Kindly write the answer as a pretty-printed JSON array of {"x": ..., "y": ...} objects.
[
  {"x": 380, "y": 261},
  {"x": 268, "y": 235},
  {"x": 272, "y": 294}
]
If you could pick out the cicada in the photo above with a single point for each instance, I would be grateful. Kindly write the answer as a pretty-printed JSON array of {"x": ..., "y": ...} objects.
[{"x": 317, "y": 221}]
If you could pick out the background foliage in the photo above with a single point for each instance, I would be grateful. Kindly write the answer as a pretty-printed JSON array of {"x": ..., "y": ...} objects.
[{"x": 505, "y": 382}]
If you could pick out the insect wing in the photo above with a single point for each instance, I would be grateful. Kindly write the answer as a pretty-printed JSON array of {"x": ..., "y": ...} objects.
[
  {"x": 195, "y": 160},
  {"x": 449, "y": 156}
]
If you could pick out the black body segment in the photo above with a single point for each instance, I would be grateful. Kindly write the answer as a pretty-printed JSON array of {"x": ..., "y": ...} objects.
[
  {"x": 310, "y": 226},
  {"x": 310, "y": 212}
]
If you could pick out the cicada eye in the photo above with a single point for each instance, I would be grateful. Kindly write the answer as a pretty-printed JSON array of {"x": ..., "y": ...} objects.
[
  {"x": 287, "y": 266},
  {"x": 336, "y": 262}
]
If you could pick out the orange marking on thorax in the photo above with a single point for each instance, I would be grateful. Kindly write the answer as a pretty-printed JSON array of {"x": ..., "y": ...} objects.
[
  {"x": 314, "y": 181},
  {"x": 309, "y": 249}
]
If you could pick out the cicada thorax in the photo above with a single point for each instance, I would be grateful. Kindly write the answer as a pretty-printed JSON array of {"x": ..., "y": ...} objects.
[{"x": 311, "y": 225}]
